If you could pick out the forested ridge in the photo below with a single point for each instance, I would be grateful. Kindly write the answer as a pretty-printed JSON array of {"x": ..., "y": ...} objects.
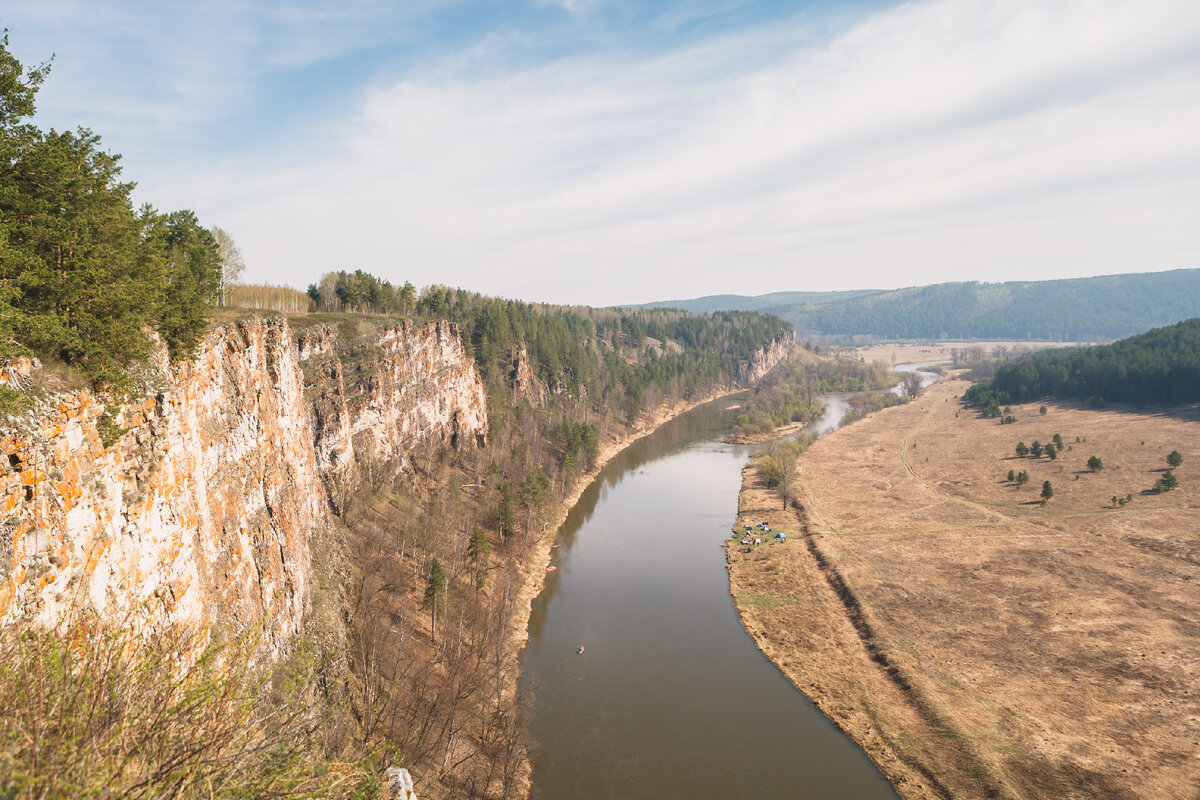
[
  {"x": 770, "y": 303},
  {"x": 1160, "y": 366},
  {"x": 1079, "y": 309},
  {"x": 1072, "y": 310}
]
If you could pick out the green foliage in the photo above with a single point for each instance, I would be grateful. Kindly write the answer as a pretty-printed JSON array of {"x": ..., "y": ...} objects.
[
  {"x": 1042, "y": 411},
  {"x": 1047, "y": 490},
  {"x": 1166, "y": 483},
  {"x": 1161, "y": 366},
  {"x": 535, "y": 488},
  {"x": 80, "y": 272},
  {"x": 108, "y": 429},
  {"x": 435, "y": 586},
  {"x": 361, "y": 292},
  {"x": 770, "y": 471},
  {"x": 1174, "y": 458},
  {"x": 1095, "y": 464},
  {"x": 578, "y": 444},
  {"x": 479, "y": 549},
  {"x": 193, "y": 277},
  {"x": 1035, "y": 449},
  {"x": 1012, "y": 476},
  {"x": 13, "y": 402},
  {"x": 789, "y": 393},
  {"x": 507, "y": 513},
  {"x": 1022, "y": 449},
  {"x": 1022, "y": 478},
  {"x": 1051, "y": 452}
]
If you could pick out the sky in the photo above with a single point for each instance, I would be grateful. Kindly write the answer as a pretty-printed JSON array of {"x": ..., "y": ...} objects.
[{"x": 613, "y": 151}]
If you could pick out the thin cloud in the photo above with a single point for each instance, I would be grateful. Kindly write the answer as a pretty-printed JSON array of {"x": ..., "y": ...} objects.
[{"x": 941, "y": 140}]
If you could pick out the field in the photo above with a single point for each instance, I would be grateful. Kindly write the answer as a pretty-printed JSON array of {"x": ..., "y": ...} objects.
[
  {"x": 917, "y": 352},
  {"x": 976, "y": 642}
]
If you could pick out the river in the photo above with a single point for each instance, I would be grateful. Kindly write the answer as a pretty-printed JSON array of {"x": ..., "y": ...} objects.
[{"x": 670, "y": 698}]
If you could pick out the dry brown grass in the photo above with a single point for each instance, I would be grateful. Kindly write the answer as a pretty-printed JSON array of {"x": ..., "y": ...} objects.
[
  {"x": 1044, "y": 651},
  {"x": 910, "y": 352}
]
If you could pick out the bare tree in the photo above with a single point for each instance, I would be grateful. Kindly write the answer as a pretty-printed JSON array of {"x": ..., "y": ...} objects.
[
  {"x": 911, "y": 384},
  {"x": 232, "y": 263}
]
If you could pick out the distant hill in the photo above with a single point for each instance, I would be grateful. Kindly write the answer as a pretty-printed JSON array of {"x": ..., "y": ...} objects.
[
  {"x": 1078, "y": 309},
  {"x": 1160, "y": 366},
  {"x": 763, "y": 302}
]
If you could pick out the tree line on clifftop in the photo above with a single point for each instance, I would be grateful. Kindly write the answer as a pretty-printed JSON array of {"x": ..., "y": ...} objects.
[
  {"x": 1160, "y": 366},
  {"x": 82, "y": 271},
  {"x": 623, "y": 359}
]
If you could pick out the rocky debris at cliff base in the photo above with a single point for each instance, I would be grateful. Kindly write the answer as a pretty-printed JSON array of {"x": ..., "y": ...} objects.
[{"x": 399, "y": 784}]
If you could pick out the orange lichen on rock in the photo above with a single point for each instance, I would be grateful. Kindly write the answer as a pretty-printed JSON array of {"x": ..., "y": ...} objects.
[{"x": 206, "y": 500}]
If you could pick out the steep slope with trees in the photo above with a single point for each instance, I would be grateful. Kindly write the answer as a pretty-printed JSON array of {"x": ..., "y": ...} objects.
[
  {"x": 1079, "y": 309},
  {"x": 1160, "y": 366}
]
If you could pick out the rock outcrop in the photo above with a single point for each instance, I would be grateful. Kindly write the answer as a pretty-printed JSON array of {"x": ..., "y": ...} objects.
[
  {"x": 765, "y": 359},
  {"x": 200, "y": 501}
]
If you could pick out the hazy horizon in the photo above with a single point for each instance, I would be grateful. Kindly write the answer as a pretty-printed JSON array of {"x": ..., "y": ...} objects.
[{"x": 595, "y": 152}]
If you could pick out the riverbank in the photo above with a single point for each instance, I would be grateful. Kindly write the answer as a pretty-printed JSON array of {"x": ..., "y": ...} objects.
[
  {"x": 974, "y": 642},
  {"x": 770, "y": 436},
  {"x": 797, "y": 617}
]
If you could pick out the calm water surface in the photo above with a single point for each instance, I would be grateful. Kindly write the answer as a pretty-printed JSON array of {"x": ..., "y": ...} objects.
[{"x": 670, "y": 699}]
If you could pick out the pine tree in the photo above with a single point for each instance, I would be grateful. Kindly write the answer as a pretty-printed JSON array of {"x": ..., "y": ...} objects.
[
  {"x": 435, "y": 594},
  {"x": 507, "y": 513},
  {"x": 1174, "y": 458},
  {"x": 479, "y": 549},
  {"x": 1047, "y": 491}
]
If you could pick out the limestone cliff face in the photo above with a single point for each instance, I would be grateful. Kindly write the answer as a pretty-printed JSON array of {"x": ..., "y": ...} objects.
[
  {"x": 414, "y": 387},
  {"x": 525, "y": 384},
  {"x": 203, "y": 502},
  {"x": 765, "y": 359}
]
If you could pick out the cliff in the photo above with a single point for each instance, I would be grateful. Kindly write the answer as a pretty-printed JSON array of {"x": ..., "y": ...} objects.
[
  {"x": 765, "y": 359},
  {"x": 200, "y": 500}
]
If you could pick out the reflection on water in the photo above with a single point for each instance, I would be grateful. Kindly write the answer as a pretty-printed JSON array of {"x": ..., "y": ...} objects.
[{"x": 671, "y": 698}]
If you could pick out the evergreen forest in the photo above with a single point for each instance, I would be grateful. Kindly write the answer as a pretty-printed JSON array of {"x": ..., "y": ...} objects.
[
  {"x": 81, "y": 270},
  {"x": 1159, "y": 366}
]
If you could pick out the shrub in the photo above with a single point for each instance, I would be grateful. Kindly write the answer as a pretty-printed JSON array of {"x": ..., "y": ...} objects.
[{"x": 94, "y": 710}]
